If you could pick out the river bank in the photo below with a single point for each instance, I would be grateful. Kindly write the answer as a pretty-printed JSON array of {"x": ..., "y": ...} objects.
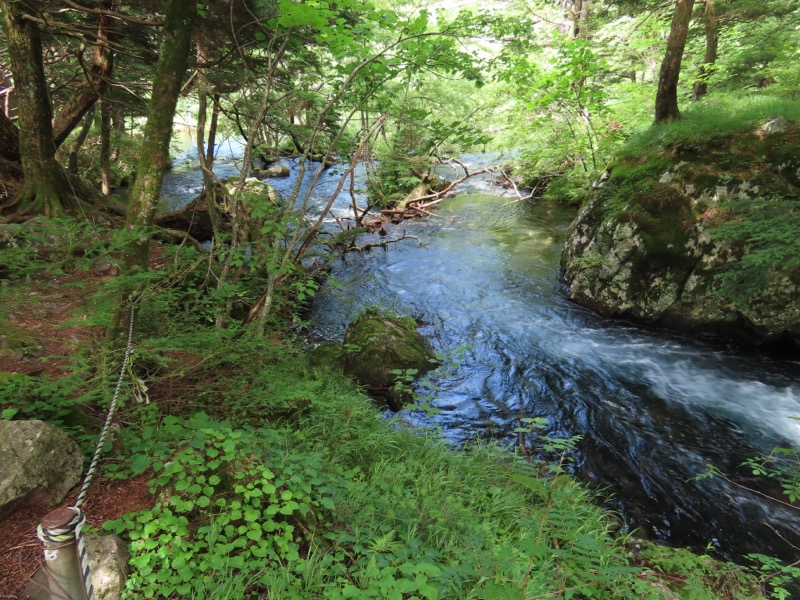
[{"x": 270, "y": 478}]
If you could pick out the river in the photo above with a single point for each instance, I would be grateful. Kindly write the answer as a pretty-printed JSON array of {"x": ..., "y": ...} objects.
[{"x": 653, "y": 409}]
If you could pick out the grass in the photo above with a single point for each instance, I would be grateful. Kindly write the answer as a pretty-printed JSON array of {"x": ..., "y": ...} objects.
[
  {"x": 276, "y": 479},
  {"x": 714, "y": 119}
]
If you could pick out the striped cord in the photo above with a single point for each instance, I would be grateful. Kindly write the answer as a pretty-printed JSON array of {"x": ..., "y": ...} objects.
[{"x": 80, "y": 520}]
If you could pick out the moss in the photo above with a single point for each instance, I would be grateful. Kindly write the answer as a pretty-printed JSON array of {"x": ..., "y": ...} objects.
[
  {"x": 17, "y": 342},
  {"x": 378, "y": 343},
  {"x": 328, "y": 356}
]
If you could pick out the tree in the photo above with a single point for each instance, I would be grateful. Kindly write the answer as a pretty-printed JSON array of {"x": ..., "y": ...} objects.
[
  {"x": 9, "y": 139},
  {"x": 46, "y": 188},
  {"x": 95, "y": 80},
  {"x": 712, "y": 39},
  {"x": 154, "y": 154},
  {"x": 667, "y": 94}
]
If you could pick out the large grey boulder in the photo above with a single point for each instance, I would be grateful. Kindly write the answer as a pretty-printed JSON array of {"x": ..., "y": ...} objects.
[
  {"x": 39, "y": 464},
  {"x": 651, "y": 243},
  {"x": 108, "y": 561}
]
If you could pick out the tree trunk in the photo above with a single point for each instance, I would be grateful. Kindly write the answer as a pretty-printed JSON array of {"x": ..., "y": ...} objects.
[
  {"x": 712, "y": 39},
  {"x": 154, "y": 153},
  {"x": 105, "y": 146},
  {"x": 579, "y": 12},
  {"x": 212, "y": 131},
  {"x": 46, "y": 188},
  {"x": 75, "y": 146},
  {"x": 204, "y": 88},
  {"x": 94, "y": 84},
  {"x": 667, "y": 94},
  {"x": 9, "y": 139}
]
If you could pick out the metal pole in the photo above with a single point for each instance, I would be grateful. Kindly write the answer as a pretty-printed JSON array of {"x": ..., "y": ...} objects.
[{"x": 62, "y": 564}]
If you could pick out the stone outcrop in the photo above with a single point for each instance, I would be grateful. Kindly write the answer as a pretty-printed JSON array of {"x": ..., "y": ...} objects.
[
  {"x": 39, "y": 464},
  {"x": 377, "y": 344},
  {"x": 693, "y": 240}
]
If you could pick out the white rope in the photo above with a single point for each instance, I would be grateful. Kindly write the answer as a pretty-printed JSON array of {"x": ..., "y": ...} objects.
[{"x": 75, "y": 526}]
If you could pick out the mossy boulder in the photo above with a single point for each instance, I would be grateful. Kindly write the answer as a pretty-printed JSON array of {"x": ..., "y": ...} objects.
[
  {"x": 697, "y": 237},
  {"x": 328, "y": 356},
  {"x": 17, "y": 343},
  {"x": 378, "y": 343}
]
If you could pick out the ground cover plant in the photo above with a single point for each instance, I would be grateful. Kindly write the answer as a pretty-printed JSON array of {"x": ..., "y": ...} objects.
[{"x": 274, "y": 478}]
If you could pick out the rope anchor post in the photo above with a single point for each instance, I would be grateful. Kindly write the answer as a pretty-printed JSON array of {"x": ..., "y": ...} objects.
[{"x": 62, "y": 561}]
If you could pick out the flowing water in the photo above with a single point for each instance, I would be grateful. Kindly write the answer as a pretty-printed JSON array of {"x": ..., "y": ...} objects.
[{"x": 653, "y": 408}]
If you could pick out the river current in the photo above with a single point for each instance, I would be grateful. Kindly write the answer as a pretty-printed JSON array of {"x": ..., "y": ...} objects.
[{"x": 654, "y": 409}]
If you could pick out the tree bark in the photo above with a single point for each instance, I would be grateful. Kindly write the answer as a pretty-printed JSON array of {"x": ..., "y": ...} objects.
[
  {"x": 75, "y": 146},
  {"x": 667, "y": 94},
  {"x": 579, "y": 12},
  {"x": 9, "y": 139},
  {"x": 204, "y": 89},
  {"x": 154, "y": 154},
  {"x": 46, "y": 188},
  {"x": 105, "y": 146},
  {"x": 712, "y": 39},
  {"x": 94, "y": 84}
]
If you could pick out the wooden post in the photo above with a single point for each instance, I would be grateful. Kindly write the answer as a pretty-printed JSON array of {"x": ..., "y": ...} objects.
[{"x": 62, "y": 566}]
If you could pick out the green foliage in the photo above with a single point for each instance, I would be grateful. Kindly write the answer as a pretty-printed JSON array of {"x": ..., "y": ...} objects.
[
  {"x": 338, "y": 503},
  {"x": 700, "y": 577},
  {"x": 710, "y": 121},
  {"x": 231, "y": 500},
  {"x": 765, "y": 230},
  {"x": 782, "y": 465}
]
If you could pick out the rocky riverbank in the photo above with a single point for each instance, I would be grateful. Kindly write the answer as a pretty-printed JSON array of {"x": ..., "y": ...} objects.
[{"x": 696, "y": 234}]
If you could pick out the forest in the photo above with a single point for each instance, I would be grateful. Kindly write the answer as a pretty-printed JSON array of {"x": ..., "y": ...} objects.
[{"x": 402, "y": 299}]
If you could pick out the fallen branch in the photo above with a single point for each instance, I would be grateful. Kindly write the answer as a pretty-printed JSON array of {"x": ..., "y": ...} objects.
[
  {"x": 383, "y": 244},
  {"x": 173, "y": 235},
  {"x": 438, "y": 195},
  {"x": 516, "y": 189}
]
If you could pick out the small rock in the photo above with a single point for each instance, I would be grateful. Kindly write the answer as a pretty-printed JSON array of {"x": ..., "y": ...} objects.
[
  {"x": 108, "y": 561},
  {"x": 776, "y": 125},
  {"x": 104, "y": 266}
]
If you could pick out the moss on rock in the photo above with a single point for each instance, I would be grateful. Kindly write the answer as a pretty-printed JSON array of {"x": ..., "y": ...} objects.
[
  {"x": 696, "y": 236},
  {"x": 16, "y": 342},
  {"x": 378, "y": 343}
]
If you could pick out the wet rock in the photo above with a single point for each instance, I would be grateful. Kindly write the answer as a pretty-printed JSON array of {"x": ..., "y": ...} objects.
[
  {"x": 39, "y": 464},
  {"x": 272, "y": 172},
  {"x": 378, "y": 343}
]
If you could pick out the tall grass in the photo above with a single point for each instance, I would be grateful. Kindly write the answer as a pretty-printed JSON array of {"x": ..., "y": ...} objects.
[{"x": 716, "y": 118}]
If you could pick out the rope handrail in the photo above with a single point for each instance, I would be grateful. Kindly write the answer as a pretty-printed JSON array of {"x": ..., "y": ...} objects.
[{"x": 67, "y": 532}]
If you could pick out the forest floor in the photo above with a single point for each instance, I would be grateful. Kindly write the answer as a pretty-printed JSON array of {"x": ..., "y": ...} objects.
[{"x": 51, "y": 308}]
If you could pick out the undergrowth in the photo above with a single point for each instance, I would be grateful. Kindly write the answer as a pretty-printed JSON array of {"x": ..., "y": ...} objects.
[
  {"x": 275, "y": 479},
  {"x": 717, "y": 118}
]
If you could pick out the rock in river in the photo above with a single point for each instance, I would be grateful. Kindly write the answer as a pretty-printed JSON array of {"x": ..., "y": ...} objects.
[
  {"x": 696, "y": 237},
  {"x": 378, "y": 343}
]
